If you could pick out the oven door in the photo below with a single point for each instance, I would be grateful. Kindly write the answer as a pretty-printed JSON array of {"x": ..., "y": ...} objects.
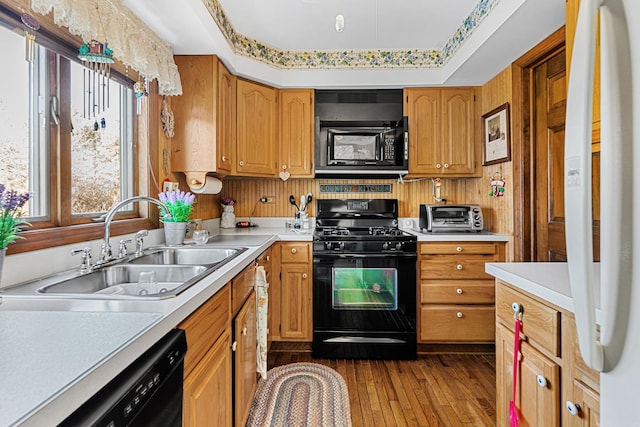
[{"x": 364, "y": 305}]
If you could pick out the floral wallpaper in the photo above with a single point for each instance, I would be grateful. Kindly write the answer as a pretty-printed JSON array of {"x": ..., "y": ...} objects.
[{"x": 315, "y": 59}]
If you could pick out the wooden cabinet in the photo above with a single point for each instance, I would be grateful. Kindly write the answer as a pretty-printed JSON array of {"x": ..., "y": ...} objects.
[
  {"x": 552, "y": 378},
  {"x": 244, "y": 363},
  {"x": 570, "y": 29},
  {"x": 456, "y": 295},
  {"x": 264, "y": 260},
  {"x": 295, "y": 144},
  {"x": 256, "y": 123},
  {"x": 204, "y": 115},
  {"x": 207, "y": 365},
  {"x": 292, "y": 293},
  {"x": 444, "y": 131}
]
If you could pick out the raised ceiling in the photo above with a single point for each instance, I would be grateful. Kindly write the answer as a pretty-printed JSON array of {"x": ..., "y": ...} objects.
[{"x": 385, "y": 43}]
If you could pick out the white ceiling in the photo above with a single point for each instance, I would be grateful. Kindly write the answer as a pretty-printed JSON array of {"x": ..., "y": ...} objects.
[{"x": 509, "y": 30}]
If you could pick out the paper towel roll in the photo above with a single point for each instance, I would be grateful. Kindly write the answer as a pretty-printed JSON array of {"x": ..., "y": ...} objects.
[{"x": 211, "y": 186}]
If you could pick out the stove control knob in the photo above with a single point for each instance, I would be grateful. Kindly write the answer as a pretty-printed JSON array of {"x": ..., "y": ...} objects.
[
  {"x": 340, "y": 246},
  {"x": 385, "y": 246},
  {"x": 399, "y": 245},
  {"x": 327, "y": 245}
]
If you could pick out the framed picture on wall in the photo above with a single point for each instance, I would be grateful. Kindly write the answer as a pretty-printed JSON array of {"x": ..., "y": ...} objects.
[{"x": 496, "y": 141}]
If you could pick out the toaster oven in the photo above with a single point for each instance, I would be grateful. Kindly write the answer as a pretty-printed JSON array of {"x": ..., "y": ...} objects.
[{"x": 451, "y": 218}]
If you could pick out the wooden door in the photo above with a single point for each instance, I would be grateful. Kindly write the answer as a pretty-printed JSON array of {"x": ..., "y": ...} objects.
[
  {"x": 256, "y": 129},
  {"x": 207, "y": 389},
  {"x": 589, "y": 412},
  {"x": 226, "y": 119},
  {"x": 295, "y": 305},
  {"x": 458, "y": 137},
  {"x": 244, "y": 360},
  {"x": 550, "y": 89},
  {"x": 296, "y": 133},
  {"x": 422, "y": 106}
]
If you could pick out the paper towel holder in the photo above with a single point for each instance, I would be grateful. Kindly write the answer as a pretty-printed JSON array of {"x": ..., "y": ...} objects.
[{"x": 198, "y": 180}]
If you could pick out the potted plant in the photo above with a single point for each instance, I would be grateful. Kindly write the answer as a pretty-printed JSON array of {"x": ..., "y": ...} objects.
[
  {"x": 175, "y": 221},
  {"x": 11, "y": 203}
]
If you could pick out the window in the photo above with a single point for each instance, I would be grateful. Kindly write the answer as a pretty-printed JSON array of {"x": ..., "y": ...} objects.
[{"x": 65, "y": 136}]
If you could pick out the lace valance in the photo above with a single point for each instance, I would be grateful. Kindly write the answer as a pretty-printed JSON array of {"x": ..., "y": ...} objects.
[{"x": 133, "y": 43}]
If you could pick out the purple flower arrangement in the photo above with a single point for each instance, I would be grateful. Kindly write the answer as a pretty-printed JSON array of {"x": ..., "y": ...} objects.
[
  {"x": 11, "y": 204},
  {"x": 227, "y": 201},
  {"x": 179, "y": 204}
]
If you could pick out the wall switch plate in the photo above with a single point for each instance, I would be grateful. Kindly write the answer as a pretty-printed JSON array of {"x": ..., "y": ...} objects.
[
  {"x": 268, "y": 199},
  {"x": 170, "y": 186}
]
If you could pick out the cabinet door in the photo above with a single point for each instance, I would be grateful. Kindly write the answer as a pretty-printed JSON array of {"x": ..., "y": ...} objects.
[
  {"x": 295, "y": 302},
  {"x": 296, "y": 133},
  {"x": 458, "y": 138},
  {"x": 538, "y": 384},
  {"x": 422, "y": 107},
  {"x": 226, "y": 118},
  {"x": 207, "y": 390},
  {"x": 588, "y": 413},
  {"x": 244, "y": 360},
  {"x": 256, "y": 129}
]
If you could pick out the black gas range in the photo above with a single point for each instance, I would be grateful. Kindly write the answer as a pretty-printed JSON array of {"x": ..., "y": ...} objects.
[{"x": 364, "y": 298}]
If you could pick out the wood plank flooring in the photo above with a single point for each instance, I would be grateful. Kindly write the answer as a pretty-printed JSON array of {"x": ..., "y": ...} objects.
[{"x": 434, "y": 390}]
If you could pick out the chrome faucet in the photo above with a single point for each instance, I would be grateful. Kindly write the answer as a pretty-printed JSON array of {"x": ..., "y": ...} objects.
[{"x": 105, "y": 250}]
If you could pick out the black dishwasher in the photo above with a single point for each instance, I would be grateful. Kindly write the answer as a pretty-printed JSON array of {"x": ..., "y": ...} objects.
[{"x": 147, "y": 393}]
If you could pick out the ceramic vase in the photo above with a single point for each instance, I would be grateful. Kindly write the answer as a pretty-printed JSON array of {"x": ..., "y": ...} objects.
[
  {"x": 228, "y": 219},
  {"x": 174, "y": 233}
]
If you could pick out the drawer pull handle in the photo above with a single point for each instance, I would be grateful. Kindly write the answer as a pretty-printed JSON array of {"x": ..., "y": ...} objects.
[
  {"x": 223, "y": 158},
  {"x": 459, "y": 249},
  {"x": 244, "y": 331},
  {"x": 573, "y": 408},
  {"x": 459, "y": 291},
  {"x": 459, "y": 315},
  {"x": 542, "y": 381},
  {"x": 446, "y": 165},
  {"x": 294, "y": 250},
  {"x": 268, "y": 258},
  {"x": 241, "y": 162},
  {"x": 459, "y": 267},
  {"x": 304, "y": 275},
  {"x": 234, "y": 346},
  {"x": 438, "y": 165}
]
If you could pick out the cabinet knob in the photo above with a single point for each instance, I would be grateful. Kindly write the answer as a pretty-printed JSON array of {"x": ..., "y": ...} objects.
[
  {"x": 224, "y": 158},
  {"x": 458, "y": 248},
  {"x": 234, "y": 346},
  {"x": 304, "y": 275},
  {"x": 244, "y": 331},
  {"x": 446, "y": 165},
  {"x": 459, "y": 291},
  {"x": 459, "y": 267},
  {"x": 573, "y": 408},
  {"x": 284, "y": 167},
  {"x": 268, "y": 258},
  {"x": 294, "y": 250},
  {"x": 542, "y": 381},
  {"x": 241, "y": 162},
  {"x": 459, "y": 315},
  {"x": 438, "y": 165}
]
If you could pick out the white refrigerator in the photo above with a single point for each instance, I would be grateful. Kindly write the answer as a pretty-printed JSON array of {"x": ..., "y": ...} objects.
[{"x": 616, "y": 352}]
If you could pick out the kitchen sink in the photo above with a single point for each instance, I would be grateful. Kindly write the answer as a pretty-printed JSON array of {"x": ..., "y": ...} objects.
[{"x": 187, "y": 256}]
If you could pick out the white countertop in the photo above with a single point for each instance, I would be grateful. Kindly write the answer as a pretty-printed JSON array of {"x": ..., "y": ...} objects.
[
  {"x": 548, "y": 281},
  {"x": 57, "y": 352}
]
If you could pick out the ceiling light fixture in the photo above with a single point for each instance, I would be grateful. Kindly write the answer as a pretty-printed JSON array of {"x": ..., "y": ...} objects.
[{"x": 339, "y": 23}]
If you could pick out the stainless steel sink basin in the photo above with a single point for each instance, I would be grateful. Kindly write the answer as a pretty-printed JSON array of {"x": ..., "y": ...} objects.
[
  {"x": 175, "y": 269},
  {"x": 198, "y": 255},
  {"x": 124, "y": 280}
]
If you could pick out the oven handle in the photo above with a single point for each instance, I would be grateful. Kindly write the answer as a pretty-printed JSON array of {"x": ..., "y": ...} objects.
[{"x": 365, "y": 255}]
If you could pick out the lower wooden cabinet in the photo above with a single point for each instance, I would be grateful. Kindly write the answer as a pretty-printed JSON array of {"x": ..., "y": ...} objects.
[
  {"x": 244, "y": 359},
  {"x": 207, "y": 389},
  {"x": 554, "y": 386}
]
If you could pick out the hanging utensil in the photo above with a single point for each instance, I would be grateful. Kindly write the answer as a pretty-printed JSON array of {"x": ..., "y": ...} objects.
[
  {"x": 309, "y": 198},
  {"x": 303, "y": 203},
  {"x": 292, "y": 200}
]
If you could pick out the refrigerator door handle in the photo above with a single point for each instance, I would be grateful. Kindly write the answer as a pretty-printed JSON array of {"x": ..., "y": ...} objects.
[{"x": 577, "y": 183}]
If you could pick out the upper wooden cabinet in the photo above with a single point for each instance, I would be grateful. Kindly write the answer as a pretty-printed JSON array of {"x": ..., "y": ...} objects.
[
  {"x": 256, "y": 130},
  {"x": 296, "y": 133},
  {"x": 572, "y": 7},
  {"x": 204, "y": 116},
  {"x": 443, "y": 131}
]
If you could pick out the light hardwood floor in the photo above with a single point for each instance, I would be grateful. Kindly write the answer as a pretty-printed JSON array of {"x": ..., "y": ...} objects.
[{"x": 434, "y": 390}]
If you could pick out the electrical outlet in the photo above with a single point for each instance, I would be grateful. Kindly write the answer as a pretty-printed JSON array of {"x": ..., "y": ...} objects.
[{"x": 268, "y": 199}]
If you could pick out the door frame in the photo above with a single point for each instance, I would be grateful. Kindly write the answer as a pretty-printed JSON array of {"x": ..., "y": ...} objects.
[{"x": 523, "y": 147}]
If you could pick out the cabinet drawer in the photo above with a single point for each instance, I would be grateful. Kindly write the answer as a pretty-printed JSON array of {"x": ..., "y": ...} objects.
[
  {"x": 469, "y": 267},
  {"x": 457, "y": 292},
  {"x": 460, "y": 248},
  {"x": 205, "y": 325},
  {"x": 540, "y": 323},
  {"x": 457, "y": 323},
  {"x": 241, "y": 287},
  {"x": 295, "y": 253}
]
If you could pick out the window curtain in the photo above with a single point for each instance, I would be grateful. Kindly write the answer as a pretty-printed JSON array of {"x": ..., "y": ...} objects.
[{"x": 133, "y": 43}]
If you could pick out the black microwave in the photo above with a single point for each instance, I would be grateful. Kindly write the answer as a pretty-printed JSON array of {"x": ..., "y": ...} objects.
[{"x": 350, "y": 148}]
